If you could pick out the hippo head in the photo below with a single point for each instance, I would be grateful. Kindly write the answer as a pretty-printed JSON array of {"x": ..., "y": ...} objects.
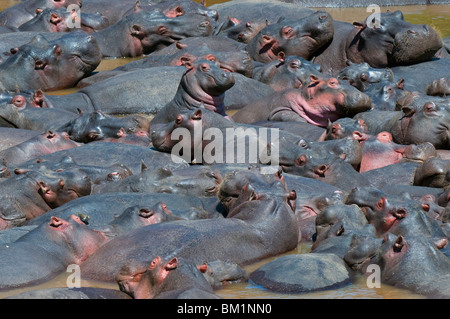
[
  {"x": 201, "y": 181},
  {"x": 239, "y": 30},
  {"x": 290, "y": 72},
  {"x": 243, "y": 186},
  {"x": 327, "y": 98},
  {"x": 346, "y": 128},
  {"x": 301, "y": 37},
  {"x": 73, "y": 234},
  {"x": 137, "y": 216},
  {"x": 393, "y": 41},
  {"x": 62, "y": 186},
  {"x": 62, "y": 20},
  {"x": 362, "y": 75},
  {"x": 144, "y": 282},
  {"x": 425, "y": 119},
  {"x": 399, "y": 253}
]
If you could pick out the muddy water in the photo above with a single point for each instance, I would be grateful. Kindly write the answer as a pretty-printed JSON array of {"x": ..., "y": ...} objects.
[{"x": 437, "y": 16}]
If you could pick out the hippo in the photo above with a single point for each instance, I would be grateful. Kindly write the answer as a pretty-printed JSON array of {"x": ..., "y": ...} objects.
[
  {"x": 231, "y": 144},
  {"x": 51, "y": 65},
  {"x": 46, "y": 251},
  {"x": 36, "y": 192},
  {"x": 149, "y": 31},
  {"x": 113, "y": 98},
  {"x": 399, "y": 216},
  {"x": 176, "y": 278},
  {"x": 220, "y": 273},
  {"x": 346, "y": 128},
  {"x": 380, "y": 150},
  {"x": 103, "y": 209},
  {"x": 328, "y": 168},
  {"x": 290, "y": 72},
  {"x": 61, "y": 20},
  {"x": 362, "y": 75},
  {"x": 94, "y": 126},
  {"x": 399, "y": 259},
  {"x": 385, "y": 94},
  {"x": 250, "y": 11},
  {"x": 192, "y": 181},
  {"x": 97, "y": 174},
  {"x": 322, "y": 99},
  {"x": 240, "y": 31},
  {"x": 423, "y": 119},
  {"x": 203, "y": 85},
  {"x": 330, "y": 221},
  {"x": 176, "y": 8},
  {"x": 22, "y": 12},
  {"x": 37, "y": 146},
  {"x": 229, "y": 54},
  {"x": 10, "y": 136},
  {"x": 301, "y": 37},
  {"x": 106, "y": 154},
  {"x": 419, "y": 75},
  {"x": 137, "y": 216},
  {"x": 19, "y": 114},
  {"x": 242, "y": 237},
  {"x": 361, "y": 42}
]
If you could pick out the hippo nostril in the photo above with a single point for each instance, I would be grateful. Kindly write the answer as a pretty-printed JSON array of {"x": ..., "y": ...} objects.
[{"x": 412, "y": 32}]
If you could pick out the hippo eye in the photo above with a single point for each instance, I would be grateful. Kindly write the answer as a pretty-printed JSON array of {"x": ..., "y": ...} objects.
[
  {"x": 364, "y": 76},
  {"x": 296, "y": 64},
  {"x": 381, "y": 203},
  {"x": 287, "y": 31},
  {"x": 179, "y": 120},
  {"x": 204, "y": 67}
]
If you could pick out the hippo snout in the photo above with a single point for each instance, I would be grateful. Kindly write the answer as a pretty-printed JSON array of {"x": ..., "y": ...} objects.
[{"x": 357, "y": 101}]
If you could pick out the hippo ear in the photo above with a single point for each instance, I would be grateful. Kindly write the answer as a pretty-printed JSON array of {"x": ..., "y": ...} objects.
[
  {"x": 398, "y": 244},
  {"x": 172, "y": 264},
  {"x": 39, "y": 10},
  {"x": 197, "y": 115},
  {"x": 137, "y": 31},
  {"x": 400, "y": 84},
  {"x": 143, "y": 167},
  {"x": 137, "y": 7},
  {"x": 57, "y": 50},
  {"x": 55, "y": 19},
  {"x": 187, "y": 60}
]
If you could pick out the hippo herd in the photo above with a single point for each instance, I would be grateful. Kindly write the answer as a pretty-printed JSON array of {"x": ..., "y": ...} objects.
[{"x": 122, "y": 180}]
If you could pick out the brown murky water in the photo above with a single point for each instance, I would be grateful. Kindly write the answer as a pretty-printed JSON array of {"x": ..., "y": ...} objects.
[{"x": 437, "y": 16}]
